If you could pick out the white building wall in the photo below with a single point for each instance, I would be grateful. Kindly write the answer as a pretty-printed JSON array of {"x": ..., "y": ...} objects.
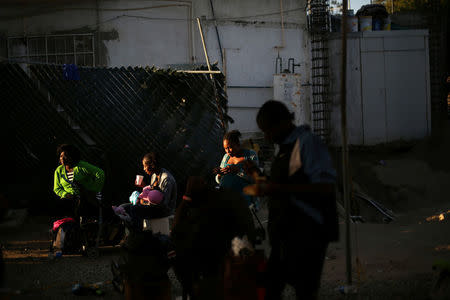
[
  {"x": 157, "y": 34},
  {"x": 388, "y": 87},
  {"x": 251, "y": 37},
  {"x": 250, "y": 56},
  {"x": 161, "y": 33}
]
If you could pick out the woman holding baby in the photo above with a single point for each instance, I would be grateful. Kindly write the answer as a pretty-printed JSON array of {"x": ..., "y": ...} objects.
[{"x": 231, "y": 174}]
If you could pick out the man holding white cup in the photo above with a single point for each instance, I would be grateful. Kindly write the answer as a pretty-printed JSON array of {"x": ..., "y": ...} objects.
[{"x": 160, "y": 180}]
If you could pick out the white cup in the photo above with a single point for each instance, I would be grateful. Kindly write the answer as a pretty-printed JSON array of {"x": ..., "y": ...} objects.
[{"x": 139, "y": 179}]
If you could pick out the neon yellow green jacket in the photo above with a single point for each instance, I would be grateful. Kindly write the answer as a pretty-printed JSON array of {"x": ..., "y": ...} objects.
[{"x": 88, "y": 176}]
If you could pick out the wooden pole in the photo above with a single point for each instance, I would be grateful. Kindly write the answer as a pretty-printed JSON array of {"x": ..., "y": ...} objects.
[{"x": 198, "y": 71}]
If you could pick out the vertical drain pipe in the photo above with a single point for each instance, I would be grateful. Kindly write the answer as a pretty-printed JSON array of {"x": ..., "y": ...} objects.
[{"x": 217, "y": 31}]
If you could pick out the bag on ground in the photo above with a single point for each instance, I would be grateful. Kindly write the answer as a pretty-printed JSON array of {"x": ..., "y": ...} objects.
[{"x": 66, "y": 236}]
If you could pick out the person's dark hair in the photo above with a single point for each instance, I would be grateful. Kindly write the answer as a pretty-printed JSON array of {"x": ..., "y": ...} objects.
[
  {"x": 195, "y": 185},
  {"x": 151, "y": 159},
  {"x": 272, "y": 113},
  {"x": 71, "y": 154},
  {"x": 233, "y": 137}
]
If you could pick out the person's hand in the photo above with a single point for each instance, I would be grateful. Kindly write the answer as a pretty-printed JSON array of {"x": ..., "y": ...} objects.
[
  {"x": 69, "y": 196},
  {"x": 251, "y": 169},
  {"x": 142, "y": 185},
  {"x": 259, "y": 189},
  {"x": 144, "y": 201},
  {"x": 217, "y": 171},
  {"x": 231, "y": 169}
]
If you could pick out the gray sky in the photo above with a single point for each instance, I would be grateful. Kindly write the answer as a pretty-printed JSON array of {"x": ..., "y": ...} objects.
[{"x": 356, "y": 4}]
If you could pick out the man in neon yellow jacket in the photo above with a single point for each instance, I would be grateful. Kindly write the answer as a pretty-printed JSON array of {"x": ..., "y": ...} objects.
[{"x": 75, "y": 179}]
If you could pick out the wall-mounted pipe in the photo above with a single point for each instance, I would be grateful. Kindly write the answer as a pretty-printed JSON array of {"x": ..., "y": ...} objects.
[
  {"x": 279, "y": 61},
  {"x": 291, "y": 62}
]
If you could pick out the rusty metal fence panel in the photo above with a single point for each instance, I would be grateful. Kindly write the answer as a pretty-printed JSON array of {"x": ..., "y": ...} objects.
[{"x": 125, "y": 112}]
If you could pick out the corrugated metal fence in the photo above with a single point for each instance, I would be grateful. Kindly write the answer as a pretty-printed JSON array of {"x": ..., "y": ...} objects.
[{"x": 115, "y": 116}]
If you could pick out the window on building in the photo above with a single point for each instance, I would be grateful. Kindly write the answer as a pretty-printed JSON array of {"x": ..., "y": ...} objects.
[{"x": 53, "y": 49}]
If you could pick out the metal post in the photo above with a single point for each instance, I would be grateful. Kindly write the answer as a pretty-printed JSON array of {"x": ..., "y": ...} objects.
[
  {"x": 211, "y": 74},
  {"x": 345, "y": 167}
]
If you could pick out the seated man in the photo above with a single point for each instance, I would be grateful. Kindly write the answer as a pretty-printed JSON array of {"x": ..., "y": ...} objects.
[
  {"x": 77, "y": 183},
  {"x": 160, "y": 179}
]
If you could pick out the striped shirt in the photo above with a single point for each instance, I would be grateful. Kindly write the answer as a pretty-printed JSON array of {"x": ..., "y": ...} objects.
[{"x": 70, "y": 176}]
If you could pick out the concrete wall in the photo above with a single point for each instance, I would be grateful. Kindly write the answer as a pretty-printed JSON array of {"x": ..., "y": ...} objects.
[
  {"x": 161, "y": 33},
  {"x": 388, "y": 86},
  {"x": 250, "y": 65},
  {"x": 251, "y": 38},
  {"x": 128, "y": 33}
]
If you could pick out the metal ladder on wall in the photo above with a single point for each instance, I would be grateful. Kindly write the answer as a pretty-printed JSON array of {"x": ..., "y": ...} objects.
[{"x": 319, "y": 26}]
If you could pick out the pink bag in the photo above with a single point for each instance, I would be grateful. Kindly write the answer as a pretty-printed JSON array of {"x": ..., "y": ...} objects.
[
  {"x": 58, "y": 223},
  {"x": 153, "y": 196}
]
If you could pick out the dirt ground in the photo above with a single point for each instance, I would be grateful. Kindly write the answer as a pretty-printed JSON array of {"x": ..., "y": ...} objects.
[
  {"x": 395, "y": 261},
  {"x": 389, "y": 260}
]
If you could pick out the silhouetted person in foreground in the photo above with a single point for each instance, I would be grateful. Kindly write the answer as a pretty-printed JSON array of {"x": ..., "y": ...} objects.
[{"x": 302, "y": 207}]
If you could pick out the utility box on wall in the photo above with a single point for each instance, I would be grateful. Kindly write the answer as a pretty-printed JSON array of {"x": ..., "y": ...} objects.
[{"x": 287, "y": 89}]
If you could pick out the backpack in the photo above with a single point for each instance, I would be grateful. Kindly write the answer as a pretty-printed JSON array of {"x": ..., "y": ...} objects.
[{"x": 66, "y": 236}]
